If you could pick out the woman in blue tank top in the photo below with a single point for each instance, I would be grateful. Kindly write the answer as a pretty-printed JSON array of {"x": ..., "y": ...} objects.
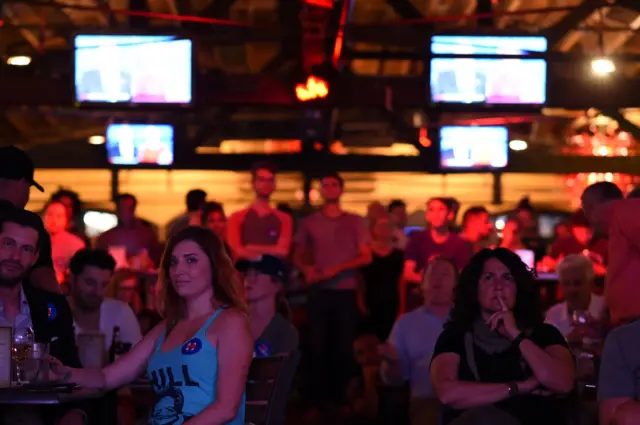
[{"x": 198, "y": 358}]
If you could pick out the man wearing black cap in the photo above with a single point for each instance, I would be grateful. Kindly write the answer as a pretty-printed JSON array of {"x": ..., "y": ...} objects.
[
  {"x": 263, "y": 280},
  {"x": 16, "y": 179}
]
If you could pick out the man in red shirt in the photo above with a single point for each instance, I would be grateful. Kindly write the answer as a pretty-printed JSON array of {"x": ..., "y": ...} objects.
[{"x": 613, "y": 217}]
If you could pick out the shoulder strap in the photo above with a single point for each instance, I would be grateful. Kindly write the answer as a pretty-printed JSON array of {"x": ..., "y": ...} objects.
[
  {"x": 471, "y": 359},
  {"x": 213, "y": 317}
]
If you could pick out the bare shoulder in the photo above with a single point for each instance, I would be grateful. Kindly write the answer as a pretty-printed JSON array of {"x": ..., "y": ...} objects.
[
  {"x": 157, "y": 330},
  {"x": 230, "y": 320}
]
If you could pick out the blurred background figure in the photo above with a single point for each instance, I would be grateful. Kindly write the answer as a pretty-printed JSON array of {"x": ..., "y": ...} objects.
[{"x": 63, "y": 243}]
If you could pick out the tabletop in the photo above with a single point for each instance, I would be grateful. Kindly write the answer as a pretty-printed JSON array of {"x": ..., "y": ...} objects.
[{"x": 26, "y": 395}]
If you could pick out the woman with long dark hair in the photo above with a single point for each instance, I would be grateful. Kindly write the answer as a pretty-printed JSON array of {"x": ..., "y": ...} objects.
[
  {"x": 198, "y": 357},
  {"x": 496, "y": 360}
]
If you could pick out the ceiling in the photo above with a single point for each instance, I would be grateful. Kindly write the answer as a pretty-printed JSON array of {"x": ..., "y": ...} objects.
[{"x": 44, "y": 29}]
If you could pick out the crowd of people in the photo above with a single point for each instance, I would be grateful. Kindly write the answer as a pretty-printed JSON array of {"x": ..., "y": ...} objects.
[{"x": 443, "y": 325}]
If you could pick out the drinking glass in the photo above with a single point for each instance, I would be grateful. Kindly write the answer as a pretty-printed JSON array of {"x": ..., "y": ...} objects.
[
  {"x": 35, "y": 369},
  {"x": 22, "y": 346}
]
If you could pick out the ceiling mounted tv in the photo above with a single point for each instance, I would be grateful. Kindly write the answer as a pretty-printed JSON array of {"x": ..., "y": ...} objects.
[
  {"x": 133, "y": 69},
  {"x": 140, "y": 144},
  {"x": 473, "y": 79},
  {"x": 474, "y": 148}
]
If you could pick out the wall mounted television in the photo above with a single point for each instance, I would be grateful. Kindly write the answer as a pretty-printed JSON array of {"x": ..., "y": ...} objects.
[
  {"x": 140, "y": 144},
  {"x": 470, "y": 79},
  {"x": 472, "y": 148},
  {"x": 133, "y": 69}
]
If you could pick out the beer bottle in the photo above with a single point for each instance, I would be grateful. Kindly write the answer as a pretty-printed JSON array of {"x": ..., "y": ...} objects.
[{"x": 117, "y": 347}]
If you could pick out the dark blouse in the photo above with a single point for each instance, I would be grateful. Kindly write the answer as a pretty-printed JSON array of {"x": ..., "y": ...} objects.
[{"x": 529, "y": 409}]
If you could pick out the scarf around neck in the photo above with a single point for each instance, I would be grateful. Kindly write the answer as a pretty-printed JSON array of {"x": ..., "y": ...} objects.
[{"x": 491, "y": 342}]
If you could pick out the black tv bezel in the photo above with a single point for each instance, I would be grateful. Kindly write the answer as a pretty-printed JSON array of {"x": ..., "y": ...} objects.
[
  {"x": 474, "y": 106},
  {"x": 132, "y": 105},
  {"x": 453, "y": 170},
  {"x": 144, "y": 166}
]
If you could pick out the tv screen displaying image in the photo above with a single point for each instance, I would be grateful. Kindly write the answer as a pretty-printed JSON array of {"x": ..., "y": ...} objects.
[
  {"x": 135, "y": 144},
  {"x": 133, "y": 69},
  {"x": 514, "y": 81},
  {"x": 474, "y": 147}
]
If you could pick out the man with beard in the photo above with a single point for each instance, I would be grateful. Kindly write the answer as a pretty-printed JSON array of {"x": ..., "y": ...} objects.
[
  {"x": 16, "y": 179},
  {"x": 260, "y": 229},
  {"x": 338, "y": 244},
  {"x": 30, "y": 310},
  {"x": 91, "y": 272}
]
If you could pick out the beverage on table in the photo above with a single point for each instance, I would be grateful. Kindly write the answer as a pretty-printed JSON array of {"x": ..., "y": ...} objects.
[{"x": 118, "y": 348}]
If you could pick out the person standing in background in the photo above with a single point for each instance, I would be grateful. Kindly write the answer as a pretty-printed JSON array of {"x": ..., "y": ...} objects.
[
  {"x": 435, "y": 241},
  {"x": 16, "y": 179},
  {"x": 615, "y": 218},
  {"x": 195, "y": 200},
  {"x": 260, "y": 229},
  {"x": 63, "y": 244},
  {"x": 214, "y": 219},
  {"x": 338, "y": 243},
  {"x": 131, "y": 232},
  {"x": 381, "y": 278},
  {"x": 398, "y": 213},
  {"x": 476, "y": 228}
]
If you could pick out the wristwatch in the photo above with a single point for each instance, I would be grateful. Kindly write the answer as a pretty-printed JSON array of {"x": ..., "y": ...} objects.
[
  {"x": 513, "y": 388},
  {"x": 518, "y": 339}
]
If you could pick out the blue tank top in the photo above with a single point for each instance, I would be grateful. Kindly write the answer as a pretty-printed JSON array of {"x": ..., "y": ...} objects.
[{"x": 184, "y": 379}]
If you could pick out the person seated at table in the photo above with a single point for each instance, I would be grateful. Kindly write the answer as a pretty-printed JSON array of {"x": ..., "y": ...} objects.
[
  {"x": 198, "y": 357},
  {"x": 618, "y": 396},
  {"x": 407, "y": 353},
  {"x": 34, "y": 314},
  {"x": 91, "y": 272},
  {"x": 576, "y": 277},
  {"x": 268, "y": 309},
  {"x": 496, "y": 361}
]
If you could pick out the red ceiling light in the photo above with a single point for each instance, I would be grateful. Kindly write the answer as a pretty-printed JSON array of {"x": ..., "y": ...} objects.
[{"x": 314, "y": 88}]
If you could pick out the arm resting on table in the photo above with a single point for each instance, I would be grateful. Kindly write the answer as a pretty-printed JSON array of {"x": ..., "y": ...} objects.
[{"x": 127, "y": 369}]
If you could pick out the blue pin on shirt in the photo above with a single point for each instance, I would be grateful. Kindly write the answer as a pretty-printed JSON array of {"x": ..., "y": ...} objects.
[
  {"x": 262, "y": 349},
  {"x": 51, "y": 311}
]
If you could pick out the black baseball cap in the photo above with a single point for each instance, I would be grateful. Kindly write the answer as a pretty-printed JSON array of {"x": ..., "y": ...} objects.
[
  {"x": 266, "y": 264},
  {"x": 15, "y": 164}
]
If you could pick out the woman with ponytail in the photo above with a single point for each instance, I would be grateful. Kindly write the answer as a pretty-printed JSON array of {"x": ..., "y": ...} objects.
[{"x": 268, "y": 308}]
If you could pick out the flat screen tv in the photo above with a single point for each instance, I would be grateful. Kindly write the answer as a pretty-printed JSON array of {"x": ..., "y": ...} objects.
[
  {"x": 473, "y": 148},
  {"x": 477, "y": 79},
  {"x": 133, "y": 69},
  {"x": 140, "y": 144}
]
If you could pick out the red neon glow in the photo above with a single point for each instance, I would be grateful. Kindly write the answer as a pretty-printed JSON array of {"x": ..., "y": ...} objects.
[
  {"x": 314, "y": 88},
  {"x": 337, "y": 47},
  {"x": 327, "y": 4}
]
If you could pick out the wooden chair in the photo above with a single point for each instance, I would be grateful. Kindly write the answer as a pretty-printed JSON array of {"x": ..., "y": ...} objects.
[{"x": 268, "y": 386}]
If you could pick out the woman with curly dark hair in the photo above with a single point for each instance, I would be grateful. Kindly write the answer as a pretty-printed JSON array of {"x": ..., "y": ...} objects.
[{"x": 496, "y": 361}]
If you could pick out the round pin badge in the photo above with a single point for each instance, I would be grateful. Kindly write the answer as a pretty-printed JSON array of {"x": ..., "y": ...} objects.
[
  {"x": 51, "y": 311},
  {"x": 262, "y": 349},
  {"x": 192, "y": 346}
]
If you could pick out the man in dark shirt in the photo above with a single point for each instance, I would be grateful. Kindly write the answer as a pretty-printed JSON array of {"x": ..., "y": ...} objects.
[
  {"x": 436, "y": 241},
  {"x": 16, "y": 179}
]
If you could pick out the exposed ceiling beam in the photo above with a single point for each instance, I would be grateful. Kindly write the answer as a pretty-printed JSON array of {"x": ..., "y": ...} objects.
[
  {"x": 29, "y": 35},
  {"x": 621, "y": 38},
  {"x": 572, "y": 19},
  {"x": 405, "y": 9}
]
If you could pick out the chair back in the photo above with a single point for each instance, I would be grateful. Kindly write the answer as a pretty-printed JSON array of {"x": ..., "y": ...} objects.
[{"x": 268, "y": 386}]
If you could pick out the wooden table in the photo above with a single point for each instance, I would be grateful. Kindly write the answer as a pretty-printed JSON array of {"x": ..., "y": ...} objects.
[{"x": 20, "y": 395}]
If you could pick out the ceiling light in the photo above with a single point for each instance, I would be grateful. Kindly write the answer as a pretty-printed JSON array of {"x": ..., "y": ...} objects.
[
  {"x": 19, "y": 60},
  {"x": 602, "y": 66},
  {"x": 518, "y": 145},
  {"x": 96, "y": 140}
]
